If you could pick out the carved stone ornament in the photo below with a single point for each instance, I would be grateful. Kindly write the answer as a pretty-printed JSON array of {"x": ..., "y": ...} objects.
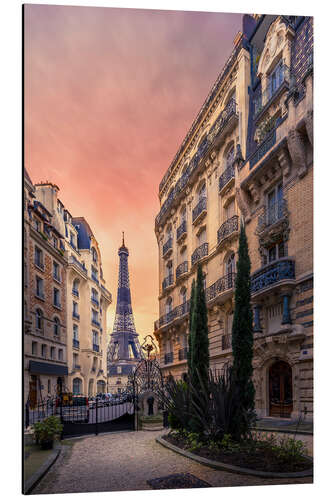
[
  {"x": 284, "y": 162},
  {"x": 296, "y": 148},
  {"x": 254, "y": 193}
]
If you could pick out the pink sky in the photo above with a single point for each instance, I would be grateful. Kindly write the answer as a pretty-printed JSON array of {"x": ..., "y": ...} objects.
[{"x": 109, "y": 97}]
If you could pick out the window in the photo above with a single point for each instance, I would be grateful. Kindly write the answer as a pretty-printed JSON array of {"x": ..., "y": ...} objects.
[
  {"x": 75, "y": 360},
  {"x": 72, "y": 240},
  {"x": 56, "y": 298},
  {"x": 44, "y": 350},
  {"x": 168, "y": 306},
  {"x": 75, "y": 289},
  {"x": 75, "y": 309},
  {"x": 275, "y": 205},
  {"x": 94, "y": 296},
  {"x": 94, "y": 254},
  {"x": 55, "y": 242},
  {"x": 94, "y": 273},
  {"x": 39, "y": 287},
  {"x": 94, "y": 315},
  {"x": 229, "y": 210},
  {"x": 34, "y": 348},
  {"x": 37, "y": 224},
  {"x": 183, "y": 215},
  {"x": 229, "y": 157},
  {"x": 201, "y": 238},
  {"x": 56, "y": 327},
  {"x": 49, "y": 386},
  {"x": 230, "y": 264},
  {"x": 77, "y": 386},
  {"x": 75, "y": 332},
  {"x": 119, "y": 370},
  {"x": 39, "y": 258},
  {"x": 183, "y": 293},
  {"x": 275, "y": 252},
  {"x": 52, "y": 352},
  {"x": 275, "y": 79},
  {"x": 95, "y": 338},
  {"x": 56, "y": 271},
  {"x": 202, "y": 192},
  {"x": 39, "y": 320},
  {"x": 60, "y": 355}
]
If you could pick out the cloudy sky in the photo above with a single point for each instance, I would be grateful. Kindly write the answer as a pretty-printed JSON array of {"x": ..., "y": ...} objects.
[{"x": 109, "y": 96}]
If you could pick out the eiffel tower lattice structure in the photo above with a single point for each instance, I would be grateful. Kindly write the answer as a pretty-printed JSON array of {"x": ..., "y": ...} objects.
[{"x": 124, "y": 351}]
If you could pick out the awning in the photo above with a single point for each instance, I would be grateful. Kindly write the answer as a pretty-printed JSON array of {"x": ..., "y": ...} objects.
[{"x": 47, "y": 368}]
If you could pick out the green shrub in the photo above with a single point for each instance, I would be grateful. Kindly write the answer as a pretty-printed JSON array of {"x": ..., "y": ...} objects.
[
  {"x": 48, "y": 429},
  {"x": 175, "y": 400}
]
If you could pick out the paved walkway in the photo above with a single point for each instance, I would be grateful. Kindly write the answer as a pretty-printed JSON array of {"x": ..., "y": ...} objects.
[{"x": 125, "y": 461}]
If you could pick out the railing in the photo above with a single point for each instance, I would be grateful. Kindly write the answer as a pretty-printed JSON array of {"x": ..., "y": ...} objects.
[
  {"x": 178, "y": 311},
  {"x": 76, "y": 343},
  {"x": 200, "y": 207},
  {"x": 75, "y": 292},
  {"x": 167, "y": 246},
  {"x": 95, "y": 347},
  {"x": 223, "y": 284},
  {"x": 272, "y": 214},
  {"x": 76, "y": 315},
  {"x": 181, "y": 269},
  {"x": 216, "y": 129},
  {"x": 228, "y": 174},
  {"x": 73, "y": 260},
  {"x": 199, "y": 253},
  {"x": 94, "y": 301},
  {"x": 95, "y": 322},
  {"x": 269, "y": 93},
  {"x": 263, "y": 148},
  {"x": 182, "y": 229},
  {"x": 168, "y": 281},
  {"x": 182, "y": 354},
  {"x": 226, "y": 342},
  {"x": 95, "y": 278},
  {"x": 271, "y": 274},
  {"x": 168, "y": 358},
  {"x": 228, "y": 227}
]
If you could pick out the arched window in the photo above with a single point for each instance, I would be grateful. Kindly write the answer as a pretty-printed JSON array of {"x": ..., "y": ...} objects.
[
  {"x": 230, "y": 264},
  {"x": 39, "y": 319},
  {"x": 183, "y": 295},
  {"x": 77, "y": 386},
  {"x": 94, "y": 254},
  {"x": 75, "y": 289},
  {"x": 56, "y": 327},
  {"x": 229, "y": 157},
  {"x": 168, "y": 306},
  {"x": 202, "y": 192}
]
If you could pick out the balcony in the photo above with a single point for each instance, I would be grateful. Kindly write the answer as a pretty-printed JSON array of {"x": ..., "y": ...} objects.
[
  {"x": 199, "y": 212},
  {"x": 199, "y": 253},
  {"x": 182, "y": 354},
  {"x": 76, "y": 367},
  {"x": 271, "y": 275},
  {"x": 75, "y": 292},
  {"x": 168, "y": 358},
  {"x": 226, "y": 177},
  {"x": 76, "y": 315},
  {"x": 220, "y": 286},
  {"x": 182, "y": 269},
  {"x": 182, "y": 230},
  {"x": 95, "y": 322},
  {"x": 167, "y": 248},
  {"x": 269, "y": 94},
  {"x": 226, "y": 342},
  {"x": 272, "y": 215},
  {"x": 177, "y": 312},
  {"x": 73, "y": 260},
  {"x": 228, "y": 228},
  {"x": 95, "y": 347},
  {"x": 263, "y": 148},
  {"x": 76, "y": 344},
  {"x": 167, "y": 282},
  {"x": 95, "y": 301},
  {"x": 95, "y": 278}
]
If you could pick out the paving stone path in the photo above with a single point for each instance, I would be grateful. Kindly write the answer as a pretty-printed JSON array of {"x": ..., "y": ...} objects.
[{"x": 124, "y": 461}]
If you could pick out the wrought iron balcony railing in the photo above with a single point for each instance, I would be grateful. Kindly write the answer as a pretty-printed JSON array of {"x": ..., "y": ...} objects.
[
  {"x": 263, "y": 148},
  {"x": 182, "y": 229},
  {"x": 227, "y": 175},
  {"x": 272, "y": 214},
  {"x": 168, "y": 358},
  {"x": 269, "y": 275},
  {"x": 282, "y": 78},
  {"x": 168, "y": 281},
  {"x": 95, "y": 301},
  {"x": 226, "y": 342},
  {"x": 76, "y": 343},
  {"x": 95, "y": 347},
  {"x": 217, "y": 128},
  {"x": 223, "y": 284},
  {"x": 178, "y": 311},
  {"x": 199, "y": 209},
  {"x": 167, "y": 246},
  {"x": 73, "y": 260},
  {"x": 199, "y": 253},
  {"x": 95, "y": 278},
  {"x": 182, "y": 269},
  {"x": 75, "y": 292},
  {"x": 182, "y": 354},
  {"x": 95, "y": 322},
  {"x": 76, "y": 315},
  {"x": 228, "y": 227}
]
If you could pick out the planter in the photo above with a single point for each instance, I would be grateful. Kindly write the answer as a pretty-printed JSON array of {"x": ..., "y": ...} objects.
[{"x": 235, "y": 469}]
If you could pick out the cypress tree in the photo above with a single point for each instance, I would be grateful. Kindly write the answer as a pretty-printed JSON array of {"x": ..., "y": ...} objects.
[
  {"x": 199, "y": 334},
  {"x": 189, "y": 352},
  {"x": 242, "y": 329}
]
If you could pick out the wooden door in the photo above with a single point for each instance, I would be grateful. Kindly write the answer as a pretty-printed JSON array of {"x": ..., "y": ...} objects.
[{"x": 280, "y": 390}]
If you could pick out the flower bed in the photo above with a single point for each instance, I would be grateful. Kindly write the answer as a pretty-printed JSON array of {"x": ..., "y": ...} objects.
[{"x": 261, "y": 452}]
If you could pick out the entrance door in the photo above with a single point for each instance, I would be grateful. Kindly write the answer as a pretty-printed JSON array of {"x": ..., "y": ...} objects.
[{"x": 280, "y": 390}]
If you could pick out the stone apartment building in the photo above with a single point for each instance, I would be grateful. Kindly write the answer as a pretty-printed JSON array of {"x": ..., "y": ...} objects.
[
  {"x": 45, "y": 322},
  {"x": 87, "y": 298},
  {"x": 247, "y": 156}
]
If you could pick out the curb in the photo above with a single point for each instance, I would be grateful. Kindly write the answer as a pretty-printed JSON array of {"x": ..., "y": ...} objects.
[
  {"x": 233, "y": 468},
  {"x": 30, "y": 484},
  {"x": 283, "y": 431}
]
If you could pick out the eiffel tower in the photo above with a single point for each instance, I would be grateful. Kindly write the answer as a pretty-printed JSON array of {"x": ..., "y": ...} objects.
[{"x": 124, "y": 351}]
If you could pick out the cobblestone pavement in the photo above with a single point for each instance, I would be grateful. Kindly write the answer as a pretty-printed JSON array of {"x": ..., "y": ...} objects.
[{"x": 125, "y": 461}]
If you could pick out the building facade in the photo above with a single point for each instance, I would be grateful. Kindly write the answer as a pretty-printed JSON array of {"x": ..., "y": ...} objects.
[
  {"x": 45, "y": 322},
  {"x": 247, "y": 156}
]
